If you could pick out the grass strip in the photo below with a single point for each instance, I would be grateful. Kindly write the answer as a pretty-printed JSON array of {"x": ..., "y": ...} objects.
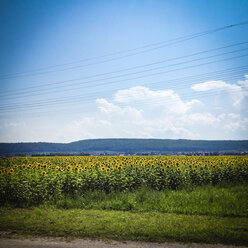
[
  {"x": 224, "y": 200},
  {"x": 119, "y": 225}
]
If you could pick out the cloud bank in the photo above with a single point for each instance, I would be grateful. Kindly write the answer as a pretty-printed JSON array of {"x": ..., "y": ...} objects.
[{"x": 140, "y": 112}]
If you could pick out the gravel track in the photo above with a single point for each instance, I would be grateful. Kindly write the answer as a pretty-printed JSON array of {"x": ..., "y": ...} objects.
[{"x": 86, "y": 243}]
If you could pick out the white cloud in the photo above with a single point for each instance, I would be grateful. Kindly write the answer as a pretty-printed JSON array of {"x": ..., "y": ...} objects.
[
  {"x": 15, "y": 124},
  {"x": 167, "y": 100},
  {"x": 215, "y": 85},
  {"x": 202, "y": 119},
  {"x": 15, "y": 131},
  {"x": 123, "y": 118},
  {"x": 244, "y": 83},
  {"x": 140, "y": 112},
  {"x": 237, "y": 92},
  {"x": 111, "y": 108}
]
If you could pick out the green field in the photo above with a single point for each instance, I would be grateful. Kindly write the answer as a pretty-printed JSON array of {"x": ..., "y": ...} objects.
[{"x": 152, "y": 198}]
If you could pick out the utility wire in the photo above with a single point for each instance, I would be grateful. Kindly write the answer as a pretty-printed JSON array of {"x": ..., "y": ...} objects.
[
  {"x": 169, "y": 83},
  {"x": 159, "y": 100},
  {"x": 59, "y": 89},
  {"x": 53, "y": 102},
  {"x": 22, "y": 91},
  {"x": 67, "y": 111},
  {"x": 133, "y": 68},
  {"x": 157, "y": 46}
]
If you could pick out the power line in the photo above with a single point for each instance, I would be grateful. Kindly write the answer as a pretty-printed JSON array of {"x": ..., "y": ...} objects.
[
  {"x": 206, "y": 76},
  {"x": 66, "y": 111},
  {"x": 122, "y": 75},
  {"x": 157, "y": 46},
  {"x": 143, "y": 102},
  {"x": 61, "y": 101},
  {"x": 228, "y": 73},
  {"x": 135, "y": 67},
  {"x": 114, "y": 82}
]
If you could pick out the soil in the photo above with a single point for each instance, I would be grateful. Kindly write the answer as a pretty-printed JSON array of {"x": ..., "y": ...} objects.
[{"x": 47, "y": 242}]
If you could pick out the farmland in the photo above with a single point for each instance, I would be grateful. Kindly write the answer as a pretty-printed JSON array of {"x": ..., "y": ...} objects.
[
  {"x": 182, "y": 188},
  {"x": 35, "y": 180}
]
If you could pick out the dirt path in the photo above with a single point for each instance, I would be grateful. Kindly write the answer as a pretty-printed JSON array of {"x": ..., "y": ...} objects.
[{"x": 85, "y": 243}]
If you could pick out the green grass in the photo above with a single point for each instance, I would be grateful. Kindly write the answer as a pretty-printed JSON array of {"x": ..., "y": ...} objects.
[
  {"x": 225, "y": 200},
  {"x": 205, "y": 214},
  {"x": 124, "y": 225}
]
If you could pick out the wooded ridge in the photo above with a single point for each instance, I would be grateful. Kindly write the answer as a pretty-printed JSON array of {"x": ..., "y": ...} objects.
[{"x": 127, "y": 146}]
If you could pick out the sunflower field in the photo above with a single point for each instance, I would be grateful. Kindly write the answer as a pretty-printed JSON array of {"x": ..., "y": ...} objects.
[{"x": 33, "y": 180}]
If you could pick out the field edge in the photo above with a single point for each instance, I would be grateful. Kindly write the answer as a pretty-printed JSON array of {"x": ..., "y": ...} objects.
[{"x": 120, "y": 226}]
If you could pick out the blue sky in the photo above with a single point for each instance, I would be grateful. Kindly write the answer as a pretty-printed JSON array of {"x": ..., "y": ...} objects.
[{"x": 72, "y": 70}]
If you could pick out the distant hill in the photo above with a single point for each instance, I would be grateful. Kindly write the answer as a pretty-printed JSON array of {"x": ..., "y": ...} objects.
[{"x": 125, "y": 146}]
